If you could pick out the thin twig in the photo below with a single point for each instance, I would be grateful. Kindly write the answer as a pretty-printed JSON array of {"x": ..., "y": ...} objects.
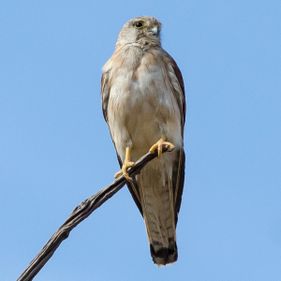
[{"x": 80, "y": 213}]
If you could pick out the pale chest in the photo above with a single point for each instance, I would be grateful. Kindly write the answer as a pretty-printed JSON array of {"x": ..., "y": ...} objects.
[{"x": 144, "y": 91}]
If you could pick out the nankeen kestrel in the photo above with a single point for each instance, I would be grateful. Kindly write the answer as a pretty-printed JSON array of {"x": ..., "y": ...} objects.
[{"x": 144, "y": 105}]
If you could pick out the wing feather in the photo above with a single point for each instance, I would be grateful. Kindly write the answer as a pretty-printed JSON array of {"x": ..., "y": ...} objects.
[
  {"x": 105, "y": 92},
  {"x": 178, "y": 181},
  {"x": 177, "y": 83},
  {"x": 176, "y": 80}
]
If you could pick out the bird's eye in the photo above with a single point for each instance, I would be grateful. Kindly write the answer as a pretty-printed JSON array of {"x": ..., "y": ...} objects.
[{"x": 139, "y": 24}]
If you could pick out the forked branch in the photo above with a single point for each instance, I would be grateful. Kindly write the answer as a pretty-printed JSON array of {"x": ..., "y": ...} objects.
[{"x": 80, "y": 213}]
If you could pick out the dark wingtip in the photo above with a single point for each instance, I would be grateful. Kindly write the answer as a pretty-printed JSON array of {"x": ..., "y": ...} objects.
[{"x": 164, "y": 256}]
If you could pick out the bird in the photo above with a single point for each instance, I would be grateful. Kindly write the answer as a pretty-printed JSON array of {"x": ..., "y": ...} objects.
[{"x": 143, "y": 103}]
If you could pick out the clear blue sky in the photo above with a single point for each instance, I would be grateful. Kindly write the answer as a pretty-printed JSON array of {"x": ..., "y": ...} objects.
[{"x": 55, "y": 148}]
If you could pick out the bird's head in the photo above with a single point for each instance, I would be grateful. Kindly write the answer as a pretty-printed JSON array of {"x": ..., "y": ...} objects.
[{"x": 143, "y": 30}]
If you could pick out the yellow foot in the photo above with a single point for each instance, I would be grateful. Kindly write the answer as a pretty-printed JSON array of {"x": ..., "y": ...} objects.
[
  {"x": 160, "y": 145},
  {"x": 126, "y": 165}
]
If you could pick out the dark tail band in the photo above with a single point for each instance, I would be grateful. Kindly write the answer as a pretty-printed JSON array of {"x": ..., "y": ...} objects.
[{"x": 164, "y": 256}]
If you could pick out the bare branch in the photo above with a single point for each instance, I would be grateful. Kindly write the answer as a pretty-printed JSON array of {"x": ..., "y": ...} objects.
[{"x": 80, "y": 213}]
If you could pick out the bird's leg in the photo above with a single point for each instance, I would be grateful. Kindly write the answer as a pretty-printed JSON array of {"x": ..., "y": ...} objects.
[
  {"x": 158, "y": 146},
  {"x": 126, "y": 165}
]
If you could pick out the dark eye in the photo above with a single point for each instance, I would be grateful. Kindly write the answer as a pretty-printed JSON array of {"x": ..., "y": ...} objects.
[{"x": 139, "y": 24}]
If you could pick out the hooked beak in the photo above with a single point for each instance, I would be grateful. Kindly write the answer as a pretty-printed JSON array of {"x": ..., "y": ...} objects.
[{"x": 154, "y": 31}]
